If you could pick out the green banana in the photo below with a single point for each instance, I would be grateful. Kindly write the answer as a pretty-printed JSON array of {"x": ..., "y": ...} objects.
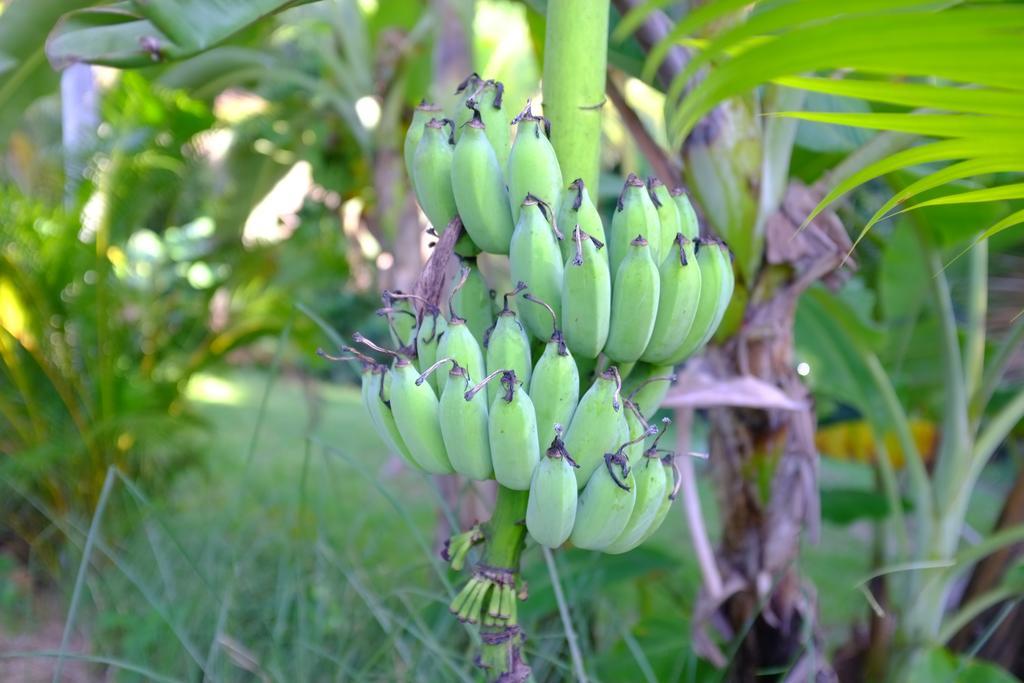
[
  {"x": 679, "y": 295},
  {"x": 512, "y": 432},
  {"x": 429, "y": 333},
  {"x": 586, "y": 297},
  {"x": 458, "y": 341},
  {"x": 474, "y": 301},
  {"x": 605, "y": 505},
  {"x": 688, "y": 223},
  {"x": 425, "y": 334},
  {"x": 401, "y": 317},
  {"x": 535, "y": 258},
  {"x": 423, "y": 113},
  {"x": 596, "y": 423},
  {"x": 555, "y": 384},
  {"x": 671, "y": 475},
  {"x": 651, "y": 492},
  {"x": 507, "y": 346},
  {"x": 463, "y": 423},
  {"x": 716, "y": 285},
  {"x": 415, "y": 408},
  {"x": 479, "y": 189},
  {"x": 374, "y": 394},
  {"x": 576, "y": 208},
  {"x": 634, "y": 304},
  {"x": 668, "y": 215},
  {"x": 648, "y": 386},
  {"x": 378, "y": 395},
  {"x": 532, "y": 165},
  {"x": 551, "y": 508},
  {"x": 635, "y": 214},
  {"x": 464, "y": 109},
  {"x": 432, "y": 173},
  {"x": 485, "y": 97}
]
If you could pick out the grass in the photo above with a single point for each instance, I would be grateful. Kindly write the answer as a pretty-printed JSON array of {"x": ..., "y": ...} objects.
[{"x": 306, "y": 552}]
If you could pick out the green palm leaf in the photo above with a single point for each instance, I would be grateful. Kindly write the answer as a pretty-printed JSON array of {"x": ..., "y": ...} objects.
[
  {"x": 956, "y": 69},
  {"x": 958, "y": 171},
  {"x": 785, "y": 16},
  {"x": 1015, "y": 218},
  {"x": 979, "y": 45},
  {"x": 968, "y": 101},
  {"x": 988, "y": 194}
]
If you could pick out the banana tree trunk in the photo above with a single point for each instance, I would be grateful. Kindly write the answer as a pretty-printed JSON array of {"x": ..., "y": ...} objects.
[{"x": 764, "y": 462}]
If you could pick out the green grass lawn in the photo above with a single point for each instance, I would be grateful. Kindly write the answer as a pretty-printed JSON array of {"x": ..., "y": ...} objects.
[{"x": 302, "y": 550}]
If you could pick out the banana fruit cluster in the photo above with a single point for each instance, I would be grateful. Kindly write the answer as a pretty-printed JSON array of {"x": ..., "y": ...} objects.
[{"x": 553, "y": 392}]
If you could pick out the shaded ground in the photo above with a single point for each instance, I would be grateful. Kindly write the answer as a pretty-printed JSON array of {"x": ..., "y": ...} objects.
[{"x": 40, "y": 631}]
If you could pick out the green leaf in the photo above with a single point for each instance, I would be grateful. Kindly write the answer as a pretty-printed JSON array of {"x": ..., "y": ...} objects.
[
  {"x": 943, "y": 150},
  {"x": 847, "y": 505},
  {"x": 111, "y": 35},
  {"x": 960, "y": 62},
  {"x": 969, "y": 44},
  {"x": 821, "y": 137},
  {"x": 939, "y": 664},
  {"x": 24, "y": 74},
  {"x": 933, "y": 125},
  {"x": 902, "y": 282},
  {"x": 1015, "y": 218},
  {"x": 958, "y": 171},
  {"x": 228, "y": 62},
  {"x": 988, "y": 194},
  {"x": 134, "y": 34},
  {"x": 966, "y": 100},
  {"x": 782, "y": 16},
  {"x": 831, "y": 337}
]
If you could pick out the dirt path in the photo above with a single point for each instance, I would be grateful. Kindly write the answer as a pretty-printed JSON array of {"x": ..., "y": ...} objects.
[{"x": 38, "y": 628}]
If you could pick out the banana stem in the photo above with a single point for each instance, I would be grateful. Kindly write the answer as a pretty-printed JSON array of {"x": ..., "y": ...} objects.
[
  {"x": 575, "y": 61},
  {"x": 501, "y": 653}
]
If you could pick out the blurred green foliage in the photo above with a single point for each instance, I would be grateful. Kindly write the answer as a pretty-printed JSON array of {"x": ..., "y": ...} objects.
[{"x": 108, "y": 308}]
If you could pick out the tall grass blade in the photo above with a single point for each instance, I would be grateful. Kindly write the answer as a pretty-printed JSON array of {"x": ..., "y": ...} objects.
[
  {"x": 83, "y": 567},
  {"x": 275, "y": 369},
  {"x": 563, "y": 610}
]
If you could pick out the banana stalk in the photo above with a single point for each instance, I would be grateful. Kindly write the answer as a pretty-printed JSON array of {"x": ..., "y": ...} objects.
[
  {"x": 575, "y": 53},
  {"x": 501, "y": 654}
]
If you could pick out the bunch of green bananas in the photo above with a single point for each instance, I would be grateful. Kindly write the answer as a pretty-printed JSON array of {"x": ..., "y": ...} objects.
[{"x": 552, "y": 392}]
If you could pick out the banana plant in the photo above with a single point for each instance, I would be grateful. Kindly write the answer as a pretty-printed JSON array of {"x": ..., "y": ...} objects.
[{"x": 737, "y": 78}]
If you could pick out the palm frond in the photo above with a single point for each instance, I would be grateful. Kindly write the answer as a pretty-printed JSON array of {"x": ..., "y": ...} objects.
[{"x": 953, "y": 71}]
